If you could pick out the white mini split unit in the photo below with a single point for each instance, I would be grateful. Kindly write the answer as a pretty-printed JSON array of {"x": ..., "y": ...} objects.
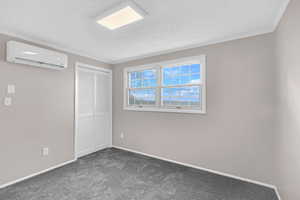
[{"x": 22, "y": 53}]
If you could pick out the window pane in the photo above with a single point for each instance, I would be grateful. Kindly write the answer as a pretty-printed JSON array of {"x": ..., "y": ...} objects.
[
  {"x": 142, "y": 79},
  {"x": 195, "y": 79},
  {"x": 195, "y": 68},
  {"x": 181, "y": 75},
  {"x": 142, "y": 97},
  {"x": 181, "y": 96}
]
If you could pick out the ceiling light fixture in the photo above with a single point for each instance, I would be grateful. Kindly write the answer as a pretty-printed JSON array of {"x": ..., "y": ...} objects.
[{"x": 121, "y": 15}]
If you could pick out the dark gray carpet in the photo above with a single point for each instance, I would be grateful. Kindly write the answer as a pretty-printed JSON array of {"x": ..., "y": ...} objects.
[{"x": 114, "y": 174}]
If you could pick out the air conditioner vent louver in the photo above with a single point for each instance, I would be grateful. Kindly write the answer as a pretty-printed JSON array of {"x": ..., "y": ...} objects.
[
  {"x": 22, "y": 53},
  {"x": 39, "y": 62}
]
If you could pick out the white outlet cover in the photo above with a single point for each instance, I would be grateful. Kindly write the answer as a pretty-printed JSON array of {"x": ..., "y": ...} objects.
[
  {"x": 7, "y": 101},
  {"x": 45, "y": 151},
  {"x": 11, "y": 89},
  {"x": 122, "y": 135}
]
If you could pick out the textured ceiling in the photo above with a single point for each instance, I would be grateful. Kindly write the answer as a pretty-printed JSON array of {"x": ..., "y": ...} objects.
[{"x": 171, "y": 25}]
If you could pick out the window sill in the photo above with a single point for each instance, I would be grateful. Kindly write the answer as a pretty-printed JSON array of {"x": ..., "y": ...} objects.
[{"x": 166, "y": 110}]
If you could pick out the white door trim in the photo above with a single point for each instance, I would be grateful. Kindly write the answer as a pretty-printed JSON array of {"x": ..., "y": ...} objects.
[{"x": 91, "y": 68}]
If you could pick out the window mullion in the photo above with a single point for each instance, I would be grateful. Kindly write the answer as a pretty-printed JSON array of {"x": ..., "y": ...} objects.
[
  {"x": 158, "y": 90},
  {"x": 181, "y": 87},
  {"x": 128, "y": 85}
]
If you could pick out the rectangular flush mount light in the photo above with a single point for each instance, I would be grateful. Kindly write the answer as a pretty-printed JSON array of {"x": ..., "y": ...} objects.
[{"x": 121, "y": 15}]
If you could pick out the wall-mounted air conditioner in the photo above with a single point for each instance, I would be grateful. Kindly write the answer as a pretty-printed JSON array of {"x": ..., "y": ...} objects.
[{"x": 22, "y": 53}]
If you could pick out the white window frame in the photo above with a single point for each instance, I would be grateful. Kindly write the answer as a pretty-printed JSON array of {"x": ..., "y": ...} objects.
[{"x": 158, "y": 107}]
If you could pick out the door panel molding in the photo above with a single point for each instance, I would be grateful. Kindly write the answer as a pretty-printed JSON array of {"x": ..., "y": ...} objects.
[{"x": 81, "y": 67}]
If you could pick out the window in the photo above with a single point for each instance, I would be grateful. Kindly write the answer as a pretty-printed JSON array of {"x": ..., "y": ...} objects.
[{"x": 173, "y": 86}]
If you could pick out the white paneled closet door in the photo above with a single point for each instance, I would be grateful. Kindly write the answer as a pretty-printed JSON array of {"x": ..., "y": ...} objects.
[{"x": 93, "y": 113}]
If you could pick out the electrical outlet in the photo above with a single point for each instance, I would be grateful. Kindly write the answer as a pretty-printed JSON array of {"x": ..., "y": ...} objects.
[
  {"x": 7, "y": 101},
  {"x": 122, "y": 135},
  {"x": 45, "y": 151}
]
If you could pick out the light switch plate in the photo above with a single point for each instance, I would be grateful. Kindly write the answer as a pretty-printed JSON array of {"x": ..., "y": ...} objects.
[
  {"x": 7, "y": 101},
  {"x": 11, "y": 89},
  {"x": 45, "y": 151}
]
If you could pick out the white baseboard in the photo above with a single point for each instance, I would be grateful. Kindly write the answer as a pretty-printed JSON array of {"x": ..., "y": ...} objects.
[
  {"x": 92, "y": 150},
  {"x": 277, "y": 193},
  {"x": 153, "y": 156},
  {"x": 54, "y": 167},
  {"x": 202, "y": 168},
  {"x": 36, "y": 174}
]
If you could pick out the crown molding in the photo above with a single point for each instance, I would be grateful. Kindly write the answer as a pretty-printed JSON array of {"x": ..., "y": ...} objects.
[
  {"x": 270, "y": 29},
  {"x": 192, "y": 46},
  {"x": 57, "y": 47},
  {"x": 280, "y": 14}
]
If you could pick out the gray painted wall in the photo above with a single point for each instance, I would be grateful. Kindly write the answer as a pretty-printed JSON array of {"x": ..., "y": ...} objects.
[
  {"x": 236, "y": 135},
  {"x": 288, "y": 141},
  {"x": 42, "y": 115},
  {"x": 251, "y": 129}
]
